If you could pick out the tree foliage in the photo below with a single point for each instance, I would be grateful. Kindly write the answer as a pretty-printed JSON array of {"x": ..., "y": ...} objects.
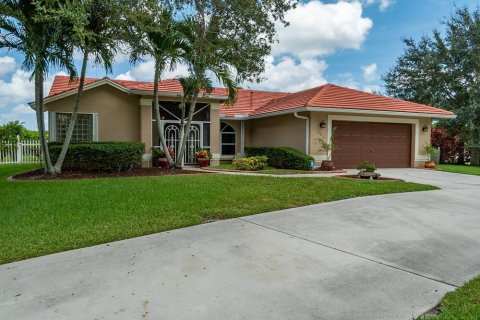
[
  {"x": 10, "y": 130},
  {"x": 443, "y": 70}
]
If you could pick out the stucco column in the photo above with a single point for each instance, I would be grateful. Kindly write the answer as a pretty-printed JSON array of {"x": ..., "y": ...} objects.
[
  {"x": 215, "y": 133},
  {"x": 146, "y": 129}
]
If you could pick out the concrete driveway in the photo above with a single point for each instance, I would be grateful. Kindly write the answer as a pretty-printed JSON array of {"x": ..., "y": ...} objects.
[{"x": 381, "y": 257}]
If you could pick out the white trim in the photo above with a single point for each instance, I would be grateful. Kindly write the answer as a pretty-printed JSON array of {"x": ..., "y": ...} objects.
[
  {"x": 342, "y": 110},
  {"x": 52, "y": 126},
  {"x": 415, "y": 122},
  {"x": 307, "y": 130},
  {"x": 95, "y": 127},
  {"x": 242, "y": 137}
]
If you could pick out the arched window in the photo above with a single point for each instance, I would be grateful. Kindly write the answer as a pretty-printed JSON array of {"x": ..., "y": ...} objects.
[{"x": 228, "y": 139}]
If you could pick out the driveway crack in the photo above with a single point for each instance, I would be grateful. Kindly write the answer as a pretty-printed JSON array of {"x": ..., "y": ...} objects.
[{"x": 352, "y": 254}]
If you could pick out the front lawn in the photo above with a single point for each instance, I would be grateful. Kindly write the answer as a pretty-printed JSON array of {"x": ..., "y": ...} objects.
[
  {"x": 456, "y": 168},
  {"x": 41, "y": 217},
  {"x": 267, "y": 170},
  {"x": 461, "y": 304}
]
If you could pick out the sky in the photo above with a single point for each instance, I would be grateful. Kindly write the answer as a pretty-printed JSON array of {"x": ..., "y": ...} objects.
[{"x": 350, "y": 43}]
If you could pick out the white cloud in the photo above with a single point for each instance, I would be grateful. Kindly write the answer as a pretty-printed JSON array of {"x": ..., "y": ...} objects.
[
  {"x": 370, "y": 72},
  {"x": 383, "y": 4},
  {"x": 22, "y": 109},
  {"x": 7, "y": 65},
  {"x": 347, "y": 80},
  {"x": 144, "y": 71},
  {"x": 317, "y": 29},
  {"x": 18, "y": 88},
  {"x": 289, "y": 75}
]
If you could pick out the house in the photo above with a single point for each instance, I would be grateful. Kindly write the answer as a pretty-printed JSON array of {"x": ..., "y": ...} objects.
[{"x": 386, "y": 131}]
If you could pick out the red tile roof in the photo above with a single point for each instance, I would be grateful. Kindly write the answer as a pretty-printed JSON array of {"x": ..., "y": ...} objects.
[
  {"x": 337, "y": 97},
  {"x": 62, "y": 84},
  {"x": 256, "y": 102}
]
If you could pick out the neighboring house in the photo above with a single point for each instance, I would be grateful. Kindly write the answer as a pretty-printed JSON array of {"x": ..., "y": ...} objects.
[{"x": 385, "y": 131}]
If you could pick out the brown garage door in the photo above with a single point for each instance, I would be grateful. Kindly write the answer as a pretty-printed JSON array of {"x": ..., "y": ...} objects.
[{"x": 387, "y": 145}]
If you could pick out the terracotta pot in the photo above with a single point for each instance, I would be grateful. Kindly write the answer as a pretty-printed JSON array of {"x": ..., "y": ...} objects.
[
  {"x": 203, "y": 162},
  {"x": 327, "y": 165},
  {"x": 163, "y": 163},
  {"x": 429, "y": 164}
]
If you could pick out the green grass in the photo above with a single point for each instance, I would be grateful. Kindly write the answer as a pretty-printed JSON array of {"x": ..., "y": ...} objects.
[
  {"x": 461, "y": 304},
  {"x": 267, "y": 170},
  {"x": 456, "y": 168},
  {"x": 41, "y": 217}
]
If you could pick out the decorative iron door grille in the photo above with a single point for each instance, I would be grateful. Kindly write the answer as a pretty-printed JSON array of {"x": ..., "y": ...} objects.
[{"x": 172, "y": 137}]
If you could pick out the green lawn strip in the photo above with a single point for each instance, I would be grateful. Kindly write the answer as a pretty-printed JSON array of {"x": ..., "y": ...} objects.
[
  {"x": 461, "y": 304},
  {"x": 456, "y": 168},
  {"x": 41, "y": 217},
  {"x": 267, "y": 170}
]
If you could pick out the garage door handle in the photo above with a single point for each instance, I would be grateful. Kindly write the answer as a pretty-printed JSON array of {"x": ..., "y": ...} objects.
[{"x": 371, "y": 149}]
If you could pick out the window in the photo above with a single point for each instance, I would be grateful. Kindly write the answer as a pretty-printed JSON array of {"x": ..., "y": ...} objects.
[
  {"x": 83, "y": 130},
  {"x": 228, "y": 139}
]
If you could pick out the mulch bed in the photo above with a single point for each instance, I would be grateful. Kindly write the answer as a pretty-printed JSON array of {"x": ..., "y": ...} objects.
[
  {"x": 65, "y": 175},
  {"x": 354, "y": 176}
]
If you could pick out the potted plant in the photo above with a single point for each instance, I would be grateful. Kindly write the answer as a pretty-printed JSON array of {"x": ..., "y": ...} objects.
[
  {"x": 159, "y": 159},
  {"x": 431, "y": 151},
  {"x": 327, "y": 146},
  {"x": 366, "y": 170},
  {"x": 157, "y": 154},
  {"x": 203, "y": 157}
]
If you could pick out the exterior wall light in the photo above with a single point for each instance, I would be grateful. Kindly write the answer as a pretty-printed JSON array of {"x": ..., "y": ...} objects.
[
  {"x": 323, "y": 124},
  {"x": 425, "y": 129}
]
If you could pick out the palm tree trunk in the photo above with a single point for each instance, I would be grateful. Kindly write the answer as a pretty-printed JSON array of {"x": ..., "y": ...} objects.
[
  {"x": 156, "y": 110},
  {"x": 39, "y": 110},
  {"x": 73, "y": 118},
  {"x": 186, "y": 130}
]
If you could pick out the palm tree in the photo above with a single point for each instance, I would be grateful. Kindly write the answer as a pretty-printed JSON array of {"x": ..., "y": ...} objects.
[
  {"x": 98, "y": 35},
  {"x": 30, "y": 29},
  {"x": 202, "y": 52},
  {"x": 153, "y": 33}
]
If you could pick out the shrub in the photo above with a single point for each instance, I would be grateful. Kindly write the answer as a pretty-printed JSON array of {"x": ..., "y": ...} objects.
[
  {"x": 251, "y": 163},
  {"x": 367, "y": 167},
  {"x": 100, "y": 156},
  {"x": 452, "y": 146},
  {"x": 282, "y": 158}
]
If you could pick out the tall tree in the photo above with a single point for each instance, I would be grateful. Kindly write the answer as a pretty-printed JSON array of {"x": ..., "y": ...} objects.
[
  {"x": 152, "y": 33},
  {"x": 26, "y": 27},
  {"x": 227, "y": 40},
  {"x": 443, "y": 70},
  {"x": 96, "y": 33}
]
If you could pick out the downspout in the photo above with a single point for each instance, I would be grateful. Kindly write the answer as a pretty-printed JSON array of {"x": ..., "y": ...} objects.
[{"x": 307, "y": 130}]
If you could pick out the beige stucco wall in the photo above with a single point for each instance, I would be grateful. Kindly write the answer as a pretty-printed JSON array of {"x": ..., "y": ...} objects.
[
  {"x": 118, "y": 112},
  {"x": 278, "y": 131}
]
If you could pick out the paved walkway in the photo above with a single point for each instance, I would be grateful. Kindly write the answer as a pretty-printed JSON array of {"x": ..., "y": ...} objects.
[{"x": 381, "y": 257}]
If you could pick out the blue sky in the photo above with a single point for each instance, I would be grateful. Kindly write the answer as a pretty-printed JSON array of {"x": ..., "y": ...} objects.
[{"x": 350, "y": 42}]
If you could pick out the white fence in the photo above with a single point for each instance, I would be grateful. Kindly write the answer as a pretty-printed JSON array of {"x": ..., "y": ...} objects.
[{"x": 21, "y": 151}]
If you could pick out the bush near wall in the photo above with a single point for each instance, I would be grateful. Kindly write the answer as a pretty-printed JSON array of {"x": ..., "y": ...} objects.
[
  {"x": 100, "y": 156},
  {"x": 282, "y": 158},
  {"x": 250, "y": 163},
  {"x": 452, "y": 146}
]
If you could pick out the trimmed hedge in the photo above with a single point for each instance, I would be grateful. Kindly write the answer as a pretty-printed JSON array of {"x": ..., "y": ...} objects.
[
  {"x": 282, "y": 158},
  {"x": 100, "y": 156}
]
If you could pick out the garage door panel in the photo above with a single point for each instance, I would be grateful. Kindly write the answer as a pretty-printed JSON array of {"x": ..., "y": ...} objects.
[{"x": 385, "y": 144}]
